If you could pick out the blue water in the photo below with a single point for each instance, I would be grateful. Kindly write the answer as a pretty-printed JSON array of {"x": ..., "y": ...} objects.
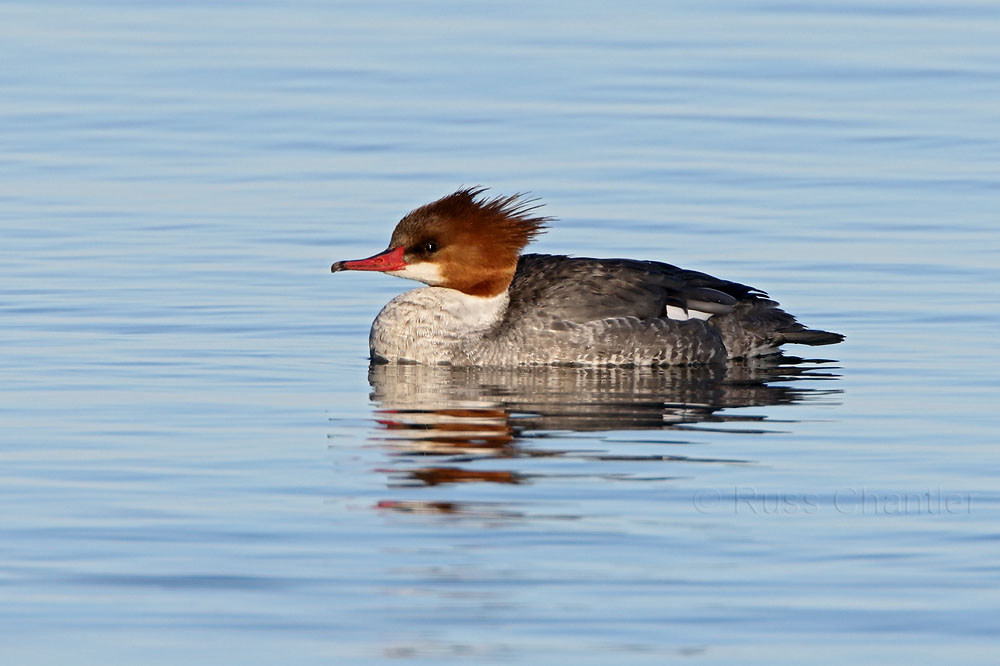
[{"x": 198, "y": 467}]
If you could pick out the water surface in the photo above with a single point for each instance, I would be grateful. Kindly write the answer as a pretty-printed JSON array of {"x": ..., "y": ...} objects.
[{"x": 199, "y": 465}]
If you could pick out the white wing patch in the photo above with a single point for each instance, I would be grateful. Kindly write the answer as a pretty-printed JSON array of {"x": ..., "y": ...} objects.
[{"x": 674, "y": 312}]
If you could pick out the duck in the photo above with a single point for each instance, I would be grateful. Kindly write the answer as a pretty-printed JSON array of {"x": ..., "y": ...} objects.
[{"x": 487, "y": 304}]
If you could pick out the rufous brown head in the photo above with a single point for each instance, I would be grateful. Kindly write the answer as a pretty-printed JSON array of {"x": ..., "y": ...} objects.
[{"x": 463, "y": 241}]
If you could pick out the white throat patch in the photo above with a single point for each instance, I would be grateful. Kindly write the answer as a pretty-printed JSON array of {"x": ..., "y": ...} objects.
[{"x": 425, "y": 271}]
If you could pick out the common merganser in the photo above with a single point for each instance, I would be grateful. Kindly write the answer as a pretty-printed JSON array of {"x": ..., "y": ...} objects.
[{"x": 488, "y": 306}]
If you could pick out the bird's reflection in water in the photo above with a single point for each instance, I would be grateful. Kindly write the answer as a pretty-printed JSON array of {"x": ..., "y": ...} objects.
[{"x": 459, "y": 417}]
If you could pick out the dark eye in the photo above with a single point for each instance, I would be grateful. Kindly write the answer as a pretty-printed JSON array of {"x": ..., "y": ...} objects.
[{"x": 430, "y": 247}]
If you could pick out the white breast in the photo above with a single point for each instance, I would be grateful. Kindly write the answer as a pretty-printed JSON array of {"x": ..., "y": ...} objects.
[{"x": 433, "y": 325}]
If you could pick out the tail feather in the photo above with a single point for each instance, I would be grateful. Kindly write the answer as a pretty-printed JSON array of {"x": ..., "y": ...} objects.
[
  {"x": 808, "y": 336},
  {"x": 757, "y": 327}
]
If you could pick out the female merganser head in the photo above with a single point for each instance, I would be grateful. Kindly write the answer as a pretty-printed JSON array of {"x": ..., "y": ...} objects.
[
  {"x": 488, "y": 306},
  {"x": 461, "y": 241}
]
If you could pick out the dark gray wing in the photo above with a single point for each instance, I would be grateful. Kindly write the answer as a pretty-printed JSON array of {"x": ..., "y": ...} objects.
[
  {"x": 581, "y": 290},
  {"x": 614, "y": 308}
]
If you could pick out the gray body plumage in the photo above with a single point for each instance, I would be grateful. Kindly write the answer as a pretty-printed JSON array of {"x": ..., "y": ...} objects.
[{"x": 577, "y": 311}]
